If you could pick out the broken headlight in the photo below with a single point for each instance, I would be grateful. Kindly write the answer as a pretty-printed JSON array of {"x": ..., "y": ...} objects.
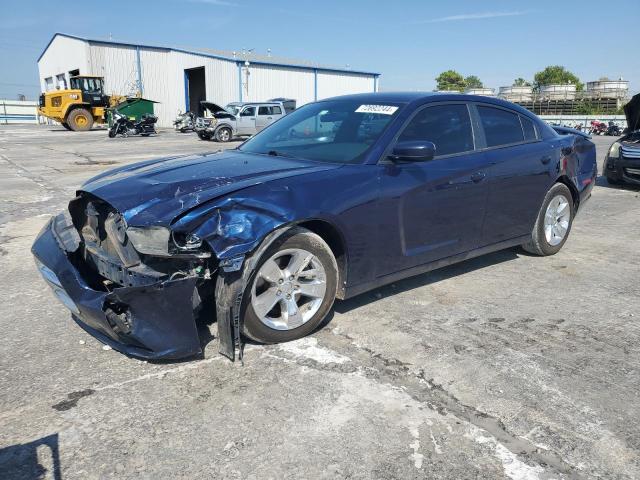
[
  {"x": 161, "y": 241},
  {"x": 150, "y": 240},
  {"x": 186, "y": 241}
]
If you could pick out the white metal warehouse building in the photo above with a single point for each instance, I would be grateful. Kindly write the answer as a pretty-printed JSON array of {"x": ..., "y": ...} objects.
[{"x": 179, "y": 78}]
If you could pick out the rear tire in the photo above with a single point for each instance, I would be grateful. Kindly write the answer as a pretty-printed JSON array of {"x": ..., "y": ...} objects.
[
  {"x": 202, "y": 136},
  {"x": 223, "y": 134},
  {"x": 318, "y": 276},
  {"x": 553, "y": 224},
  {"x": 80, "y": 120}
]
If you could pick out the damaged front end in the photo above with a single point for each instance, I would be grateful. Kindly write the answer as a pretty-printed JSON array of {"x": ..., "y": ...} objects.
[
  {"x": 123, "y": 285},
  {"x": 145, "y": 290}
]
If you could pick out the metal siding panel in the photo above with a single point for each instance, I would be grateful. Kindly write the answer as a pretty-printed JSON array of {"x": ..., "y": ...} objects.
[
  {"x": 267, "y": 82},
  {"x": 334, "y": 84},
  {"x": 118, "y": 67}
]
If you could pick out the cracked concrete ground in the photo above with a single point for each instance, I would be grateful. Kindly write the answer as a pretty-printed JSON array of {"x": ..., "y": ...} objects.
[{"x": 505, "y": 366}]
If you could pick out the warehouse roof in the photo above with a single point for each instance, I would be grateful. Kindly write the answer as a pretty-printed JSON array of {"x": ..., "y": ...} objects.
[{"x": 253, "y": 58}]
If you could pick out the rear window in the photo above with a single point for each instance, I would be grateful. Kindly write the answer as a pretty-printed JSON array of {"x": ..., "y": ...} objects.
[
  {"x": 529, "y": 129},
  {"x": 276, "y": 110},
  {"x": 447, "y": 126},
  {"x": 500, "y": 126}
]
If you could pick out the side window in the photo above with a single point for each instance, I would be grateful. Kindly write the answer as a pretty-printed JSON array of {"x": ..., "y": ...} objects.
[
  {"x": 529, "y": 129},
  {"x": 447, "y": 126},
  {"x": 276, "y": 110},
  {"x": 248, "y": 112},
  {"x": 500, "y": 126},
  {"x": 264, "y": 110}
]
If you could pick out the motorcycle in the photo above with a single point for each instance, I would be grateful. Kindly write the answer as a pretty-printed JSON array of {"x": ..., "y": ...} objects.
[
  {"x": 613, "y": 130},
  {"x": 185, "y": 122},
  {"x": 125, "y": 127},
  {"x": 597, "y": 128}
]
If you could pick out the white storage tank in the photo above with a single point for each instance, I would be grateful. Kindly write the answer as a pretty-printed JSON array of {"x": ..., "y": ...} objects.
[
  {"x": 606, "y": 88},
  {"x": 558, "y": 92},
  {"x": 486, "y": 92},
  {"x": 516, "y": 93}
]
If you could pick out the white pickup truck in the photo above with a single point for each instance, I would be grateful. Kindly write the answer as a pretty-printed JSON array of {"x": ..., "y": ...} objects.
[{"x": 237, "y": 119}]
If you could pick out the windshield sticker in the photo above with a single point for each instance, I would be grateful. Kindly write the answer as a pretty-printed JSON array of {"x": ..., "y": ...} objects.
[{"x": 381, "y": 109}]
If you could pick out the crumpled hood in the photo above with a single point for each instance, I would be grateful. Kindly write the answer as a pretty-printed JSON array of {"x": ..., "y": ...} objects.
[{"x": 156, "y": 191}]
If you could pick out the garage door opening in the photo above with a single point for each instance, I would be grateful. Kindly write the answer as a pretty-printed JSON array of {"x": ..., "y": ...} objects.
[{"x": 195, "y": 89}]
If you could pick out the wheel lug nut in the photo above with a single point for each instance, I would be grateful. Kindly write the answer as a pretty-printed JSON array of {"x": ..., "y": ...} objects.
[
  {"x": 288, "y": 297},
  {"x": 291, "y": 278},
  {"x": 279, "y": 292},
  {"x": 280, "y": 282}
]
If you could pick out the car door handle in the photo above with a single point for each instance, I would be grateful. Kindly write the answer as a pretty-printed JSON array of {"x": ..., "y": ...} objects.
[
  {"x": 269, "y": 118},
  {"x": 478, "y": 177},
  {"x": 545, "y": 160}
]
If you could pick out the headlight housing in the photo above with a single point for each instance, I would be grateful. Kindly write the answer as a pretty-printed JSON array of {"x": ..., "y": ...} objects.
[
  {"x": 186, "y": 241},
  {"x": 150, "y": 240},
  {"x": 614, "y": 150},
  {"x": 162, "y": 242}
]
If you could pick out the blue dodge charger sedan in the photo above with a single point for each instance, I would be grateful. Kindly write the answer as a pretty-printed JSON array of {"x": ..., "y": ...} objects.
[{"x": 337, "y": 198}]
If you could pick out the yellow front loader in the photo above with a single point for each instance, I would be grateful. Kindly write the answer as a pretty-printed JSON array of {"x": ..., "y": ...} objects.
[{"x": 80, "y": 106}]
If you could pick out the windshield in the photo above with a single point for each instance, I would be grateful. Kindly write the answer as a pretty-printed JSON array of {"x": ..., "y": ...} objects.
[
  {"x": 233, "y": 109},
  {"x": 337, "y": 131}
]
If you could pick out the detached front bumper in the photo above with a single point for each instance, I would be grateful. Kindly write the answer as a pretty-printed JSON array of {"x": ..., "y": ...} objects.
[{"x": 151, "y": 322}]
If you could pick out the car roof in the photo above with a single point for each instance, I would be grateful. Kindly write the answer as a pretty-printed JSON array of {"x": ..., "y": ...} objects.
[
  {"x": 241, "y": 104},
  {"x": 424, "y": 97}
]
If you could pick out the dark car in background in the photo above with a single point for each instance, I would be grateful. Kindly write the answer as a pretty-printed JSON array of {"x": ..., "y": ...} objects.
[
  {"x": 338, "y": 197},
  {"x": 622, "y": 163}
]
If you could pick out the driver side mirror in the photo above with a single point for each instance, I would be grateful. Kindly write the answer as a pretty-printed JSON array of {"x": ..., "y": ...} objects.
[{"x": 414, "y": 151}]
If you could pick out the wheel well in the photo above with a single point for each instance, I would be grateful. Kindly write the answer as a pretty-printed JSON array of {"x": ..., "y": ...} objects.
[
  {"x": 572, "y": 188},
  {"x": 332, "y": 236}
]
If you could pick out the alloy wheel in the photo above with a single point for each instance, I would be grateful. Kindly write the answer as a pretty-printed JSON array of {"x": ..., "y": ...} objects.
[
  {"x": 556, "y": 220},
  {"x": 288, "y": 289}
]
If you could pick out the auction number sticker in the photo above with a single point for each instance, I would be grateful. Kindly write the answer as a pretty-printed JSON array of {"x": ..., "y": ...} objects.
[{"x": 381, "y": 109}]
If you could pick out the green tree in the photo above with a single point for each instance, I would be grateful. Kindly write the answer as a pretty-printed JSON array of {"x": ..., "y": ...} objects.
[
  {"x": 556, "y": 74},
  {"x": 473, "y": 82},
  {"x": 521, "y": 82},
  {"x": 450, "y": 80}
]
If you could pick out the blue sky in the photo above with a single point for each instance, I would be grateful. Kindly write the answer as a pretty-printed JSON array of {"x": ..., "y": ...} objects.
[{"x": 409, "y": 41}]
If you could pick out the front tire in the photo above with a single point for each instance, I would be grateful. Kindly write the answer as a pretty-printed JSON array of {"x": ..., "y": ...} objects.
[
  {"x": 291, "y": 290},
  {"x": 66, "y": 125},
  {"x": 80, "y": 120},
  {"x": 223, "y": 134},
  {"x": 553, "y": 224}
]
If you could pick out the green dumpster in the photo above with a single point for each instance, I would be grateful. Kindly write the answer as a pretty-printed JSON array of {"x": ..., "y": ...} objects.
[{"x": 133, "y": 108}]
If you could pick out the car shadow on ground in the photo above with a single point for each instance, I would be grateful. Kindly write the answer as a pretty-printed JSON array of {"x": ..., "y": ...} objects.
[
  {"x": 601, "y": 181},
  {"x": 434, "y": 276},
  {"x": 35, "y": 460},
  {"x": 395, "y": 288}
]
